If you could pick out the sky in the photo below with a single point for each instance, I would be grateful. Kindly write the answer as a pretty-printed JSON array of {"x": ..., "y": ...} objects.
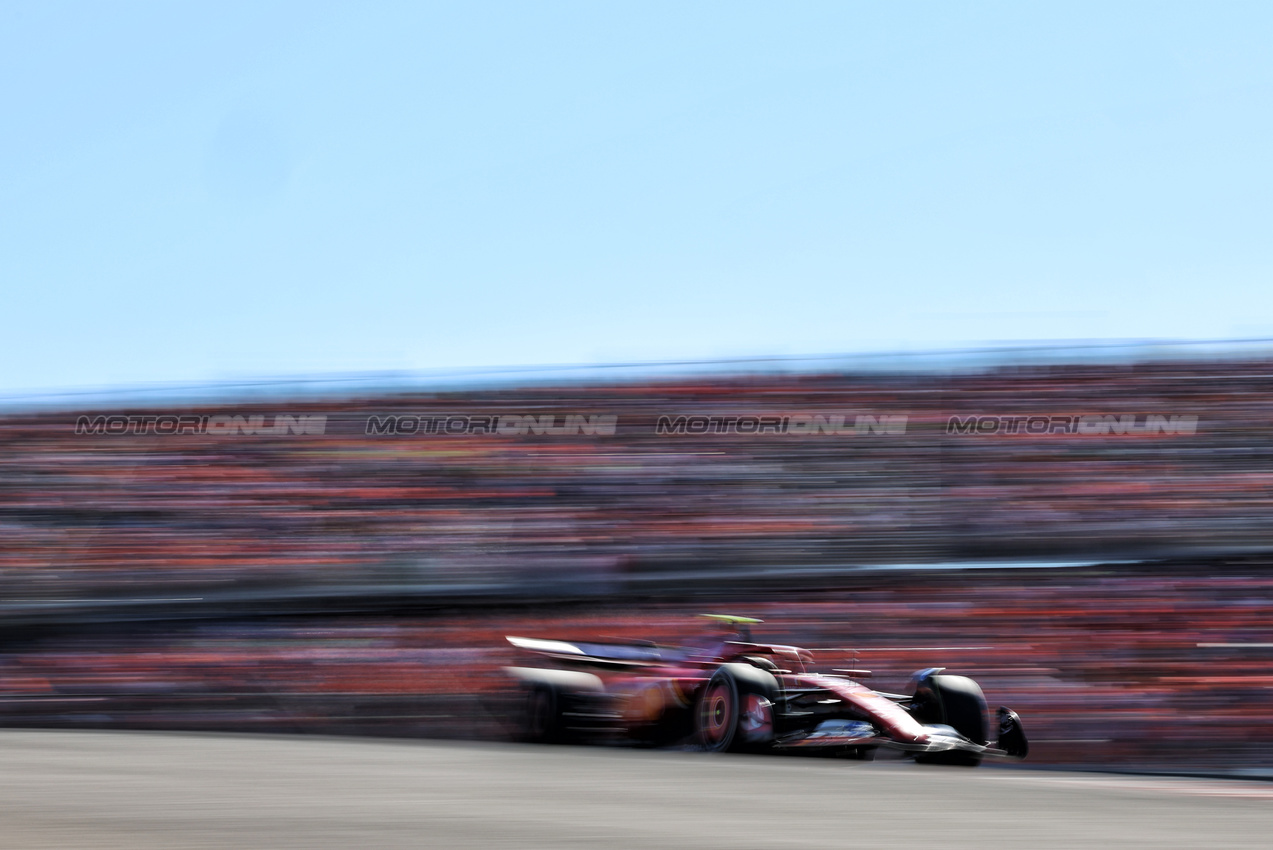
[{"x": 198, "y": 192}]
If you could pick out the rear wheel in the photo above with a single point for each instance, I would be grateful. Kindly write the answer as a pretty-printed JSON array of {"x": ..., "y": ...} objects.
[
  {"x": 716, "y": 716},
  {"x": 542, "y": 718},
  {"x": 735, "y": 709}
]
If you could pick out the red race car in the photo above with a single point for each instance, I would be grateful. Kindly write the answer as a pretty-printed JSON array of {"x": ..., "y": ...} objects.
[{"x": 728, "y": 692}]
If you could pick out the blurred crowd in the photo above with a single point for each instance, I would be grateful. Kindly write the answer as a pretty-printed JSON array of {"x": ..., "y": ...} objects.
[
  {"x": 91, "y": 514},
  {"x": 1151, "y": 668},
  {"x": 1127, "y": 662}
]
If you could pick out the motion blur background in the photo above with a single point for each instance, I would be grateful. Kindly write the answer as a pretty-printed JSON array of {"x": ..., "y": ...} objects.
[
  {"x": 902, "y": 216},
  {"x": 1114, "y": 587}
]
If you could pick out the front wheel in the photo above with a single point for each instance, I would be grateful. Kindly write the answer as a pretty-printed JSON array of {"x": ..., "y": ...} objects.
[{"x": 958, "y": 702}]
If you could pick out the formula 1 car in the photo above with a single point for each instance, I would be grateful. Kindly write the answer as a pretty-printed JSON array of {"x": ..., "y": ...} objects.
[{"x": 726, "y": 692}]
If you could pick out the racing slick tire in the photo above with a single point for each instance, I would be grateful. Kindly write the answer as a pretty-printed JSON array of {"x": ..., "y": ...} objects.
[
  {"x": 548, "y": 697},
  {"x": 958, "y": 702},
  {"x": 735, "y": 709},
  {"x": 542, "y": 718}
]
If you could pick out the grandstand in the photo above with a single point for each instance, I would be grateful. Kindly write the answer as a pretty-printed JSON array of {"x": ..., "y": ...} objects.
[
  {"x": 103, "y": 516},
  {"x": 302, "y": 566}
]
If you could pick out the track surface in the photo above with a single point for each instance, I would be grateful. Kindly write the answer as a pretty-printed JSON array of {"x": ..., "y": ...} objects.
[{"x": 149, "y": 790}]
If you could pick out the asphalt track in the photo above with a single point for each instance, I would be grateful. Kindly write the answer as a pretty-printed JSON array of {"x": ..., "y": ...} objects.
[{"x": 151, "y": 790}]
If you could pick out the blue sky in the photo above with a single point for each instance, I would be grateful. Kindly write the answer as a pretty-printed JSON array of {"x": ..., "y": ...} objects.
[{"x": 202, "y": 192}]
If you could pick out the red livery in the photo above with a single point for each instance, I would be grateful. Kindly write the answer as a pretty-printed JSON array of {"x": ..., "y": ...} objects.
[{"x": 727, "y": 692}]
